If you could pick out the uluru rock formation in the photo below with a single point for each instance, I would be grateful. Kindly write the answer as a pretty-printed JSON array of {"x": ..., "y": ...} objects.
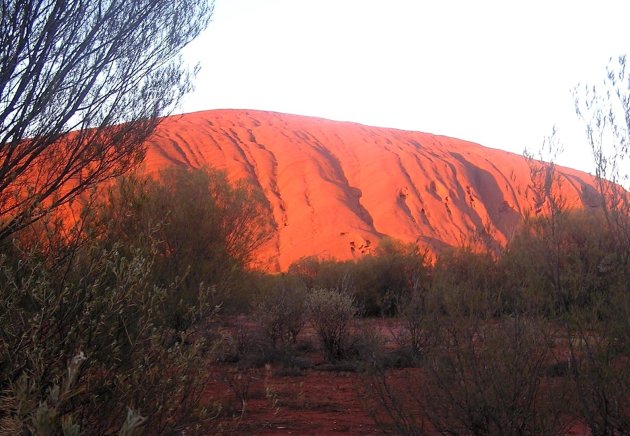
[{"x": 336, "y": 188}]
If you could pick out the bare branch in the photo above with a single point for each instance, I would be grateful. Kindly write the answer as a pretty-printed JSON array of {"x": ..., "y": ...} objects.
[{"x": 71, "y": 70}]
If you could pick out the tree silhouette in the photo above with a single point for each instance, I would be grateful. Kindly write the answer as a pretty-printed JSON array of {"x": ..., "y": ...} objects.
[{"x": 82, "y": 85}]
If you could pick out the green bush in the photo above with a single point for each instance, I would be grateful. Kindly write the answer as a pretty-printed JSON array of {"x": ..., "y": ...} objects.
[
  {"x": 562, "y": 265},
  {"x": 87, "y": 348},
  {"x": 468, "y": 283},
  {"x": 377, "y": 281},
  {"x": 195, "y": 225}
]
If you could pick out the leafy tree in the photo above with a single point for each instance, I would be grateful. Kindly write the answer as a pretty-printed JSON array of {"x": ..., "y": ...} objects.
[{"x": 82, "y": 84}]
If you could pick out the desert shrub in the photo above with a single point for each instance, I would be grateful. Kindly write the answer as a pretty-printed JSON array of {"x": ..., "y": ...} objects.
[
  {"x": 282, "y": 314},
  {"x": 482, "y": 379},
  {"x": 600, "y": 329},
  {"x": 569, "y": 268},
  {"x": 562, "y": 265},
  {"x": 390, "y": 274},
  {"x": 196, "y": 226},
  {"x": 599, "y": 352},
  {"x": 389, "y": 399},
  {"x": 323, "y": 273},
  {"x": 366, "y": 345},
  {"x": 241, "y": 345},
  {"x": 331, "y": 314},
  {"x": 85, "y": 347},
  {"x": 489, "y": 380},
  {"x": 526, "y": 283},
  {"x": 377, "y": 281},
  {"x": 417, "y": 323},
  {"x": 246, "y": 346},
  {"x": 468, "y": 283}
]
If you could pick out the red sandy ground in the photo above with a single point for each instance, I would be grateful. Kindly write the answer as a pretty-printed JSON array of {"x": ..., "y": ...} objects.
[
  {"x": 314, "y": 404},
  {"x": 337, "y": 188},
  {"x": 317, "y": 402}
]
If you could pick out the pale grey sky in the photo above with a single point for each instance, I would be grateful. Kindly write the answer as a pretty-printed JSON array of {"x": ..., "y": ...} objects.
[{"x": 494, "y": 72}]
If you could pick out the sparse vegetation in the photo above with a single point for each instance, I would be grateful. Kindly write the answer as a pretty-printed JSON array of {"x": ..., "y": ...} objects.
[
  {"x": 530, "y": 340},
  {"x": 132, "y": 315},
  {"x": 90, "y": 325},
  {"x": 534, "y": 340}
]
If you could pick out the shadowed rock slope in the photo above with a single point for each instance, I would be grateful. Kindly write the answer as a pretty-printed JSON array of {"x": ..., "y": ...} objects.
[{"x": 336, "y": 188}]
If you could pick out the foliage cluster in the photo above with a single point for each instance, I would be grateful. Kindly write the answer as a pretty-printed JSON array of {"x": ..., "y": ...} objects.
[
  {"x": 111, "y": 329},
  {"x": 378, "y": 281},
  {"x": 106, "y": 325},
  {"x": 197, "y": 226}
]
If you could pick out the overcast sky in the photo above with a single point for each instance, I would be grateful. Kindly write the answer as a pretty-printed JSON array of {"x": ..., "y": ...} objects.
[{"x": 499, "y": 73}]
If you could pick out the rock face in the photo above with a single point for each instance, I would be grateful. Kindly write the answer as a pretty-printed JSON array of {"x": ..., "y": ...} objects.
[{"x": 337, "y": 188}]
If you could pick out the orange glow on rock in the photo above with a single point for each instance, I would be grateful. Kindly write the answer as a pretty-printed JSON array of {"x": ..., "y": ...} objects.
[{"x": 337, "y": 188}]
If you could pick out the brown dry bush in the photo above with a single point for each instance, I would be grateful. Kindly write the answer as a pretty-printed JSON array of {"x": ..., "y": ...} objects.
[
  {"x": 282, "y": 315},
  {"x": 483, "y": 378},
  {"x": 599, "y": 349},
  {"x": 331, "y": 314},
  {"x": 392, "y": 404},
  {"x": 491, "y": 379},
  {"x": 414, "y": 329}
]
